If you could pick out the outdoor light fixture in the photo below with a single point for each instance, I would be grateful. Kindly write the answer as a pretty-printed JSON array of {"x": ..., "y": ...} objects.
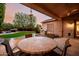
[
  {"x": 68, "y": 14},
  {"x": 30, "y": 11}
]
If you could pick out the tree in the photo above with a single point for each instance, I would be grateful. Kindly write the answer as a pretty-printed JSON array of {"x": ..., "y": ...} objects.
[
  {"x": 2, "y": 12},
  {"x": 32, "y": 22},
  {"x": 24, "y": 22}
]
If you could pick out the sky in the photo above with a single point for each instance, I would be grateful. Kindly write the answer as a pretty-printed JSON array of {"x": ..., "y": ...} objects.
[{"x": 12, "y": 8}]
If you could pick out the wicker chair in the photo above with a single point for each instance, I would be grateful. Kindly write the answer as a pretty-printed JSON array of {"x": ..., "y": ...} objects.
[
  {"x": 62, "y": 50},
  {"x": 10, "y": 51},
  {"x": 67, "y": 44}
]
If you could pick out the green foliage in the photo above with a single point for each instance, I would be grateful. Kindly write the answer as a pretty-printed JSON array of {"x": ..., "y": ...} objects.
[
  {"x": 38, "y": 28},
  {"x": 2, "y": 12},
  {"x": 24, "y": 22},
  {"x": 6, "y": 26}
]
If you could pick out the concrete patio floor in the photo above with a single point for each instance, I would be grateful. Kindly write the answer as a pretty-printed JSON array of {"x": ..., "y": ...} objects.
[{"x": 72, "y": 51}]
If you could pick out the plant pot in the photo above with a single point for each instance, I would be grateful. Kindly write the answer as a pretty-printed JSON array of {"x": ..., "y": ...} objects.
[{"x": 29, "y": 35}]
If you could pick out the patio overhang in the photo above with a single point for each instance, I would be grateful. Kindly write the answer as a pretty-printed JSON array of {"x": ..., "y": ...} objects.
[
  {"x": 54, "y": 10},
  {"x": 42, "y": 9}
]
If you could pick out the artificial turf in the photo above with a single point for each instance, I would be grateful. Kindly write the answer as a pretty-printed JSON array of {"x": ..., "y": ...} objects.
[{"x": 16, "y": 34}]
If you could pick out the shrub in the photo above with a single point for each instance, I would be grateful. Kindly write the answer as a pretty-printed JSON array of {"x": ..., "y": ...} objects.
[
  {"x": 38, "y": 28},
  {"x": 2, "y": 12},
  {"x": 6, "y": 26}
]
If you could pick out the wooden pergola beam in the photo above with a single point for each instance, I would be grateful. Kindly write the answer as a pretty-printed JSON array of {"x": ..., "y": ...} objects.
[{"x": 42, "y": 10}]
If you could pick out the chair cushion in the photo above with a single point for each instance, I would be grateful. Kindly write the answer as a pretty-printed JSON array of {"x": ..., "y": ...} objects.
[
  {"x": 2, "y": 50},
  {"x": 60, "y": 42},
  {"x": 15, "y": 50},
  {"x": 13, "y": 43}
]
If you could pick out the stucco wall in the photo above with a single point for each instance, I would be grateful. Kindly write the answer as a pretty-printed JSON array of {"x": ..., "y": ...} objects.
[
  {"x": 64, "y": 26},
  {"x": 54, "y": 27},
  {"x": 69, "y": 23},
  {"x": 68, "y": 27}
]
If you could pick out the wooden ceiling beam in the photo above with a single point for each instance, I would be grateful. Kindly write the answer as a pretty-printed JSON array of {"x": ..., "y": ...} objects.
[
  {"x": 47, "y": 9},
  {"x": 42, "y": 10}
]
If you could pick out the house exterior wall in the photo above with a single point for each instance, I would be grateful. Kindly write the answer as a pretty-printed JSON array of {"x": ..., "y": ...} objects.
[
  {"x": 54, "y": 27},
  {"x": 64, "y": 26},
  {"x": 68, "y": 27}
]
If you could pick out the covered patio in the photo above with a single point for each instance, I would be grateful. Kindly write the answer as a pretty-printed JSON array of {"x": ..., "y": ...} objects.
[
  {"x": 64, "y": 21},
  {"x": 65, "y": 17},
  {"x": 59, "y": 37}
]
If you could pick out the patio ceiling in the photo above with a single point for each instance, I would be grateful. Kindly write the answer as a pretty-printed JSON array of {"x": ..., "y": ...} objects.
[{"x": 55, "y": 10}]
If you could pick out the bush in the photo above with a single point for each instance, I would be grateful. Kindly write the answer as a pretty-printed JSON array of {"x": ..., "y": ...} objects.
[
  {"x": 24, "y": 22},
  {"x": 6, "y": 26},
  {"x": 38, "y": 28},
  {"x": 2, "y": 13}
]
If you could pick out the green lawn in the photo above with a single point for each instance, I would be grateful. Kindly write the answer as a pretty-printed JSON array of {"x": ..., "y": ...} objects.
[{"x": 17, "y": 34}]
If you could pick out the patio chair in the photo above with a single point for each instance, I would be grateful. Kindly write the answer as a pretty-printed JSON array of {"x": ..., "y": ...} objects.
[
  {"x": 10, "y": 51},
  {"x": 67, "y": 45},
  {"x": 63, "y": 51},
  {"x": 2, "y": 48}
]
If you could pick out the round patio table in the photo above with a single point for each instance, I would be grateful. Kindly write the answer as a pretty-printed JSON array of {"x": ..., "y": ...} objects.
[{"x": 36, "y": 45}]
